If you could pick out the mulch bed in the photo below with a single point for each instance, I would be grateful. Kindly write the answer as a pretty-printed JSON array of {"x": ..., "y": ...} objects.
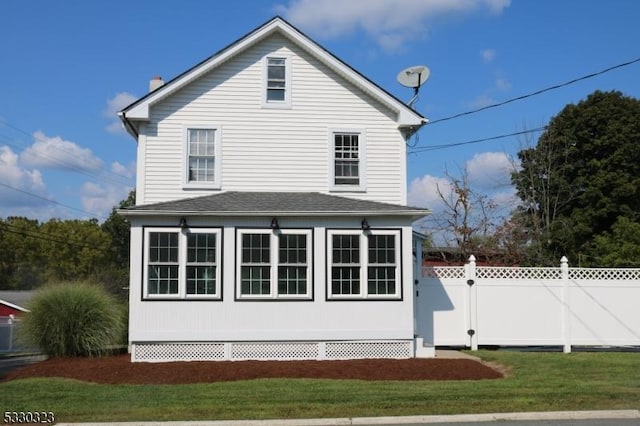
[{"x": 119, "y": 369}]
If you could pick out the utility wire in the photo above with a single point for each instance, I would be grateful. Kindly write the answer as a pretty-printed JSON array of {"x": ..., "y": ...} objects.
[
  {"x": 51, "y": 201},
  {"x": 537, "y": 92},
  {"x": 450, "y": 145},
  {"x": 65, "y": 163},
  {"x": 39, "y": 231}
]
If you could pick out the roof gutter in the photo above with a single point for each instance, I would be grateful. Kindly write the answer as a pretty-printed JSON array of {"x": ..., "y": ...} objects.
[{"x": 128, "y": 125}]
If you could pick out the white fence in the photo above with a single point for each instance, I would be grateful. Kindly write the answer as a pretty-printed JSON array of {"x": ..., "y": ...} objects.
[
  {"x": 8, "y": 334},
  {"x": 514, "y": 306}
]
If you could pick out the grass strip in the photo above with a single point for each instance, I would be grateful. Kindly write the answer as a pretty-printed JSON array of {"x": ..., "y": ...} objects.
[{"x": 536, "y": 382}]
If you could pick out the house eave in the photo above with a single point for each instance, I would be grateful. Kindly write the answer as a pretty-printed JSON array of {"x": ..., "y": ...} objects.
[{"x": 414, "y": 214}]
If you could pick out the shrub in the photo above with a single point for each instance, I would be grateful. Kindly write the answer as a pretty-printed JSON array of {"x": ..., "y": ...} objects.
[{"x": 73, "y": 319}]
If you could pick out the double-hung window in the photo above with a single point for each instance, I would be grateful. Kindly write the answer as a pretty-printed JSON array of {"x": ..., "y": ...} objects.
[
  {"x": 277, "y": 81},
  {"x": 274, "y": 265},
  {"x": 202, "y": 157},
  {"x": 347, "y": 160},
  {"x": 363, "y": 265},
  {"x": 182, "y": 264}
]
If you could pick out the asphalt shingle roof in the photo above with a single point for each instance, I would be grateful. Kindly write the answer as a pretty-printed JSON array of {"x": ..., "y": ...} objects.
[{"x": 235, "y": 203}]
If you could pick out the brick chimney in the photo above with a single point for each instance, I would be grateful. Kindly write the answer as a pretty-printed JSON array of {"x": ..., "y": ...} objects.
[{"x": 155, "y": 83}]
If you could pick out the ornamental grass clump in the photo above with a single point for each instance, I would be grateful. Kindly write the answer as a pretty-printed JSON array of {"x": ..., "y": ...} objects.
[{"x": 73, "y": 319}]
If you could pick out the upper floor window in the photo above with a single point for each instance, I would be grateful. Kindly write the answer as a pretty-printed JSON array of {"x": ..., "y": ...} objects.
[
  {"x": 347, "y": 163},
  {"x": 202, "y": 152},
  {"x": 363, "y": 265},
  {"x": 274, "y": 265},
  {"x": 181, "y": 264},
  {"x": 277, "y": 91}
]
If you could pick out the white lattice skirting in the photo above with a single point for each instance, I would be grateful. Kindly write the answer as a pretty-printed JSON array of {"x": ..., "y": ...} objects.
[{"x": 282, "y": 351}]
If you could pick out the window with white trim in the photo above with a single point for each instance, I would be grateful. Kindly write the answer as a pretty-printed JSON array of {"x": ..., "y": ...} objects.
[
  {"x": 347, "y": 160},
  {"x": 277, "y": 82},
  {"x": 363, "y": 265},
  {"x": 202, "y": 157},
  {"x": 274, "y": 264},
  {"x": 182, "y": 264}
]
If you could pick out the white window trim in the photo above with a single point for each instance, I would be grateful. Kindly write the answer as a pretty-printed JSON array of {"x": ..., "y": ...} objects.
[
  {"x": 286, "y": 103},
  {"x": 273, "y": 252},
  {"x": 182, "y": 264},
  {"x": 364, "y": 264},
  {"x": 217, "y": 152},
  {"x": 362, "y": 163}
]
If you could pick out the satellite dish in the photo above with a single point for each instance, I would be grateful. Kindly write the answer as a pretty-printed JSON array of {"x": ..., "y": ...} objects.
[{"x": 413, "y": 77}]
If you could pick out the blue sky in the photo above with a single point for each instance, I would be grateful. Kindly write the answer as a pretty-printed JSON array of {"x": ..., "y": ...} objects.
[{"x": 66, "y": 67}]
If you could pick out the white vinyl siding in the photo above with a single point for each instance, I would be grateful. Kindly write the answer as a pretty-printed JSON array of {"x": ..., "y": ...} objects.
[
  {"x": 265, "y": 149},
  {"x": 229, "y": 319}
]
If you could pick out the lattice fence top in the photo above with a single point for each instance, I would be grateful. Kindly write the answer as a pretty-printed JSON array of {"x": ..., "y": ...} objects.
[
  {"x": 518, "y": 273},
  {"x": 620, "y": 274},
  {"x": 454, "y": 272}
]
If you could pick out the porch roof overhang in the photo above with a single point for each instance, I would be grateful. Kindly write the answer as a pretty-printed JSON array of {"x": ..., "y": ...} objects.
[{"x": 284, "y": 204}]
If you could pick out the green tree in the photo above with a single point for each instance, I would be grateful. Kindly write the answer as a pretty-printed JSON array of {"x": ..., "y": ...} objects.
[
  {"x": 583, "y": 174},
  {"x": 115, "y": 277},
  {"x": 21, "y": 263},
  {"x": 620, "y": 247},
  {"x": 73, "y": 249}
]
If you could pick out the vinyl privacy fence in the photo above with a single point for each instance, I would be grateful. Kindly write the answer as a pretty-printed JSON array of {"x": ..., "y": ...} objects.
[{"x": 474, "y": 305}]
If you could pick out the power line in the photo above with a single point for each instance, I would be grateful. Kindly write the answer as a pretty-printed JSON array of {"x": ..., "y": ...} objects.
[
  {"x": 537, "y": 92},
  {"x": 51, "y": 201},
  {"x": 63, "y": 162},
  {"x": 491, "y": 138}
]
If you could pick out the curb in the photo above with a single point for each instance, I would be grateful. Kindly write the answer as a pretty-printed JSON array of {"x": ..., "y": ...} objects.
[{"x": 456, "y": 418}]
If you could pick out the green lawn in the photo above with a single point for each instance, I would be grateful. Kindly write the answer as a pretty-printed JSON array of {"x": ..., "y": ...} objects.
[{"x": 537, "y": 382}]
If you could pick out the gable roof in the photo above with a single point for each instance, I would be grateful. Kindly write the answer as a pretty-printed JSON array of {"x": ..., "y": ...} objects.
[
  {"x": 16, "y": 299},
  {"x": 407, "y": 117},
  {"x": 235, "y": 203}
]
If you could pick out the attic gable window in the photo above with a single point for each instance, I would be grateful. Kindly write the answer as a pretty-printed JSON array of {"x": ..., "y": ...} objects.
[
  {"x": 202, "y": 157},
  {"x": 277, "y": 93}
]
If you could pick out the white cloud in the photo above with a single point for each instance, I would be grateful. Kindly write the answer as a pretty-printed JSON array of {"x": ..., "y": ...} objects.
[
  {"x": 389, "y": 22},
  {"x": 100, "y": 199},
  {"x": 481, "y": 101},
  {"x": 56, "y": 153},
  {"x": 489, "y": 170},
  {"x": 122, "y": 170},
  {"x": 22, "y": 179},
  {"x": 502, "y": 84},
  {"x": 488, "y": 55},
  {"x": 423, "y": 191},
  {"x": 115, "y": 104}
]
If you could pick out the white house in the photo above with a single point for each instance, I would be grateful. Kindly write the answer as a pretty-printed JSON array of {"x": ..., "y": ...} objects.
[{"x": 271, "y": 218}]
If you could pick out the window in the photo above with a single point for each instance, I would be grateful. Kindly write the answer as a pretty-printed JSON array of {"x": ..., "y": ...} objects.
[
  {"x": 347, "y": 160},
  {"x": 274, "y": 265},
  {"x": 182, "y": 264},
  {"x": 277, "y": 82},
  {"x": 363, "y": 265},
  {"x": 202, "y": 152}
]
